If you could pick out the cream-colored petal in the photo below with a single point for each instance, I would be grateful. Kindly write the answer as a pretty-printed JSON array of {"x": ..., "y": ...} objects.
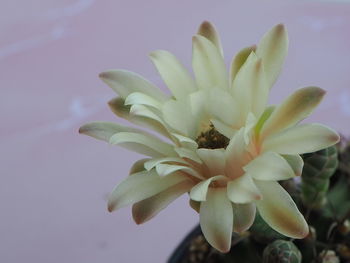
[
  {"x": 125, "y": 82},
  {"x": 198, "y": 103},
  {"x": 269, "y": 166},
  {"x": 187, "y": 153},
  {"x": 138, "y": 166},
  {"x": 250, "y": 87},
  {"x": 144, "y": 111},
  {"x": 224, "y": 129},
  {"x": 208, "y": 64},
  {"x": 168, "y": 169},
  {"x": 244, "y": 215},
  {"x": 104, "y": 130},
  {"x": 148, "y": 208},
  {"x": 243, "y": 190},
  {"x": 263, "y": 118},
  {"x": 279, "y": 211},
  {"x": 140, "y": 186},
  {"x": 178, "y": 114},
  {"x": 295, "y": 108},
  {"x": 273, "y": 49},
  {"x": 295, "y": 162},
  {"x": 214, "y": 160},
  {"x": 138, "y": 98},
  {"x": 222, "y": 106},
  {"x": 146, "y": 119},
  {"x": 303, "y": 138},
  {"x": 239, "y": 60},
  {"x": 216, "y": 217},
  {"x": 149, "y": 165},
  {"x": 236, "y": 155},
  {"x": 208, "y": 31},
  {"x": 143, "y": 144},
  {"x": 185, "y": 141},
  {"x": 200, "y": 190},
  {"x": 175, "y": 76},
  {"x": 248, "y": 128}
]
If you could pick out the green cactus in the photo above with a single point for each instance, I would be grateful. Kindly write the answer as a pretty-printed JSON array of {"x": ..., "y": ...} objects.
[
  {"x": 318, "y": 169},
  {"x": 281, "y": 251},
  {"x": 324, "y": 192}
]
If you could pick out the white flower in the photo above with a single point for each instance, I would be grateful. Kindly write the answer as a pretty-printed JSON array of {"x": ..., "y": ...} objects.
[{"x": 226, "y": 146}]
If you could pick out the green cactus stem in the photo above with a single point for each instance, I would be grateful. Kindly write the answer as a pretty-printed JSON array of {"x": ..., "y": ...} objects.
[
  {"x": 281, "y": 251},
  {"x": 318, "y": 169}
]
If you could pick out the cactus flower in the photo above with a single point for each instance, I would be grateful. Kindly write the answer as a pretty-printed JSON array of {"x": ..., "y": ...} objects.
[{"x": 222, "y": 143}]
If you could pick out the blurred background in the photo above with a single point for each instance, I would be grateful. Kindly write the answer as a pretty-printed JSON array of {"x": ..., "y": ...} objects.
[{"x": 54, "y": 182}]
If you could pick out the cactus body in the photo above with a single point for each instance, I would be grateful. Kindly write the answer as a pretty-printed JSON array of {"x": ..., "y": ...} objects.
[
  {"x": 318, "y": 168},
  {"x": 281, "y": 251}
]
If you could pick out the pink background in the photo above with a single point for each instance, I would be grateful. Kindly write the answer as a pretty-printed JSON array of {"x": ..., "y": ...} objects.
[{"x": 54, "y": 183}]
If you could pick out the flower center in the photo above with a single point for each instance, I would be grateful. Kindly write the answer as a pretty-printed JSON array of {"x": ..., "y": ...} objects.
[{"x": 212, "y": 139}]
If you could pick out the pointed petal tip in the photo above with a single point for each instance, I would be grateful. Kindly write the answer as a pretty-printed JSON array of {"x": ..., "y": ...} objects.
[
  {"x": 155, "y": 53},
  {"x": 224, "y": 249},
  {"x": 84, "y": 129},
  {"x": 104, "y": 75},
  {"x": 195, "y": 39},
  {"x": 206, "y": 28},
  {"x": 303, "y": 233},
  {"x": 110, "y": 207},
  {"x": 280, "y": 28},
  {"x": 138, "y": 220},
  {"x": 334, "y": 138},
  {"x": 205, "y": 25},
  {"x": 81, "y": 129}
]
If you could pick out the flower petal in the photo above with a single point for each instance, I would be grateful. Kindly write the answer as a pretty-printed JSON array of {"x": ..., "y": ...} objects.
[
  {"x": 208, "y": 31},
  {"x": 269, "y": 166},
  {"x": 214, "y": 160},
  {"x": 178, "y": 114},
  {"x": 140, "y": 186},
  {"x": 243, "y": 190},
  {"x": 224, "y": 129},
  {"x": 187, "y": 153},
  {"x": 146, "y": 118},
  {"x": 104, "y": 130},
  {"x": 148, "y": 208},
  {"x": 239, "y": 60},
  {"x": 301, "y": 139},
  {"x": 125, "y": 82},
  {"x": 236, "y": 155},
  {"x": 200, "y": 190},
  {"x": 138, "y": 98},
  {"x": 250, "y": 86},
  {"x": 185, "y": 141},
  {"x": 278, "y": 209},
  {"x": 149, "y": 165},
  {"x": 169, "y": 169},
  {"x": 295, "y": 108},
  {"x": 273, "y": 49},
  {"x": 175, "y": 76},
  {"x": 263, "y": 118},
  {"x": 208, "y": 64},
  {"x": 221, "y": 105},
  {"x": 216, "y": 217},
  {"x": 295, "y": 162},
  {"x": 138, "y": 166},
  {"x": 143, "y": 144},
  {"x": 244, "y": 215}
]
